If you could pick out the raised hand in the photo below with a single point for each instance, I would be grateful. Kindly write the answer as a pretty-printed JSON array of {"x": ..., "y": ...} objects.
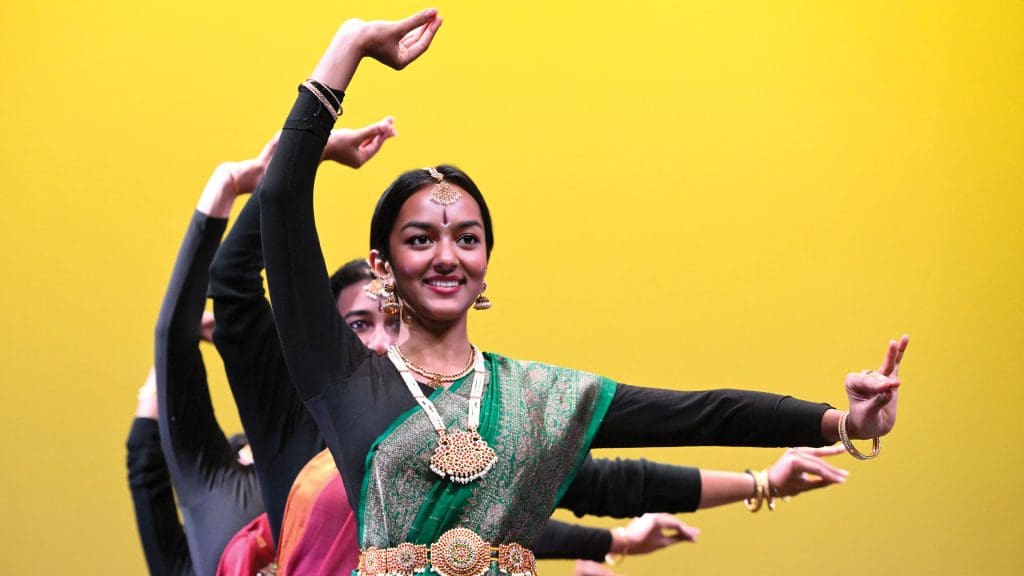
[
  {"x": 397, "y": 44},
  {"x": 247, "y": 174},
  {"x": 652, "y": 532},
  {"x": 393, "y": 43},
  {"x": 874, "y": 394},
  {"x": 231, "y": 179},
  {"x": 353, "y": 148},
  {"x": 803, "y": 469}
]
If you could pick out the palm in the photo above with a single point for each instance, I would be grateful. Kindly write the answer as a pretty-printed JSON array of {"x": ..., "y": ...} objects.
[
  {"x": 398, "y": 44},
  {"x": 874, "y": 394}
]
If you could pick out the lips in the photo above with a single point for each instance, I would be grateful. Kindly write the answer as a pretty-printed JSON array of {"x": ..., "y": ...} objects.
[{"x": 444, "y": 284}]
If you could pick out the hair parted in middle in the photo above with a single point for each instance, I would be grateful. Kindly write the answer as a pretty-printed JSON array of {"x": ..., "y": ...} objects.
[{"x": 391, "y": 201}]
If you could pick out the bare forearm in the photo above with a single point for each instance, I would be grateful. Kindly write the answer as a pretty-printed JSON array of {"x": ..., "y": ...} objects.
[{"x": 719, "y": 488}]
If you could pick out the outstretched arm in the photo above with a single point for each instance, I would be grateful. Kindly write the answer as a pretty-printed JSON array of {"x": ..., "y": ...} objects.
[
  {"x": 627, "y": 488},
  {"x": 796, "y": 471},
  {"x": 654, "y": 417},
  {"x": 642, "y": 535}
]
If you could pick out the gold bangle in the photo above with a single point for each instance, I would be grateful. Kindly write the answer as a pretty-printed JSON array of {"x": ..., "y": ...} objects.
[
  {"x": 614, "y": 559},
  {"x": 754, "y": 502},
  {"x": 323, "y": 99},
  {"x": 770, "y": 490},
  {"x": 327, "y": 91},
  {"x": 876, "y": 443}
]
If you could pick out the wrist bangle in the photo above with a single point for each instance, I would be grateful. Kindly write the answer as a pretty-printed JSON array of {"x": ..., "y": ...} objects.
[
  {"x": 876, "y": 443},
  {"x": 613, "y": 559},
  {"x": 334, "y": 95},
  {"x": 323, "y": 99},
  {"x": 763, "y": 491},
  {"x": 754, "y": 502},
  {"x": 768, "y": 491}
]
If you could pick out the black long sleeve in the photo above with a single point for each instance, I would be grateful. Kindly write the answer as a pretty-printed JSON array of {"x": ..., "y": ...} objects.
[
  {"x": 156, "y": 516},
  {"x": 572, "y": 541},
  {"x": 628, "y": 488},
  {"x": 654, "y": 417},
  {"x": 216, "y": 494},
  {"x": 280, "y": 430}
]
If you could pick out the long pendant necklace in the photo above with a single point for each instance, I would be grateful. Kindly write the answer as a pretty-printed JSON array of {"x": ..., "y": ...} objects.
[{"x": 462, "y": 455}]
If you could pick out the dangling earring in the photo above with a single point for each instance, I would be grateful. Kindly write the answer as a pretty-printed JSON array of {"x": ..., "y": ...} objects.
[
  {"x": 389, "y": 302},
  {"x": 482, "y": 302}
]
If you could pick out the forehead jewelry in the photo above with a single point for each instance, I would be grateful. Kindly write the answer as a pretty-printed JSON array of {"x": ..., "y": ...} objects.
[{"x": 443, "y": 193}]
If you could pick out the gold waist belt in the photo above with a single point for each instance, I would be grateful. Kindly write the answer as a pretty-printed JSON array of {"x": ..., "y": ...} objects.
[{"x": 459, "y": 552}]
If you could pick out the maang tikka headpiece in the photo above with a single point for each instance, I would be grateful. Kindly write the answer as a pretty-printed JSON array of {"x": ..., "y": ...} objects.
[{"x": 443, "y": 193}]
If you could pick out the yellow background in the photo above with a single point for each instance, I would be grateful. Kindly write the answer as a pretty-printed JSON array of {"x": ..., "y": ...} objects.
[{"x": 686, "y": 195}]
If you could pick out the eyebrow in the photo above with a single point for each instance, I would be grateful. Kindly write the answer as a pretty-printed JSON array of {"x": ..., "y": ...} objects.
[
  {"x": 356, "y": 313},
  {"x": 428, "y": 226}
]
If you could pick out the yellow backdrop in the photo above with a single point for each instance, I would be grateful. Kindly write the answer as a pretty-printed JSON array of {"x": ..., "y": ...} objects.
[{"x": 749, "y": 194}]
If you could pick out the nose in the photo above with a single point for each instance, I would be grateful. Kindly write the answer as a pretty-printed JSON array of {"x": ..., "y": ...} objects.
[
  {"x": 379, "y": 340},
  {"x": 444, "y": 257}
]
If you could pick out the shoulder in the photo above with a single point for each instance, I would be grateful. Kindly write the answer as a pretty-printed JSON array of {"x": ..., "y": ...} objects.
[{"x": 534, "y": 372}]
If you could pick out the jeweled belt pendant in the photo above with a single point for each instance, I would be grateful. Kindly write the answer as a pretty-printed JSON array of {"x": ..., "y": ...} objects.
[{"x": 463, "y": 456}]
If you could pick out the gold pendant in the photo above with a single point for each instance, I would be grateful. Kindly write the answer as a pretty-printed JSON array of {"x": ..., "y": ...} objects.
[{"x": 462, "y": 455}]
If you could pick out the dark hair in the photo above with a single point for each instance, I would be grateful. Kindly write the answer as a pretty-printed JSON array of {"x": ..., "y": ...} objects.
[
  {"x": 357, "y": 270},
  {"x": 391, "y": 201}
]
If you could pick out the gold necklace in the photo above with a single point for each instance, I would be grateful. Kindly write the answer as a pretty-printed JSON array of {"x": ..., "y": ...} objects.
[
  {"x": 438, "y": 378},
  {"x": 462, "y": 455}
]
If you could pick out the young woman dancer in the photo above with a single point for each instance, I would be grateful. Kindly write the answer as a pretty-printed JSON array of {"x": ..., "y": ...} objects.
[{"x": 464, "y": 481}]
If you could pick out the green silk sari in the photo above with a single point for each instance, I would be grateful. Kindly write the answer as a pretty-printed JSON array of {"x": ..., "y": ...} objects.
[{"x": 539, "y": 419}]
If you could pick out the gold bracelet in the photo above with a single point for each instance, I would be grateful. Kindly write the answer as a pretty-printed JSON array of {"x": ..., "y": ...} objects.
[
  {"x": 876, "y": 443},
  {"x": 613, "y": 559},
  {"x": 768, "y": 489},
  {"x": 323, "y": 99},
  {"x": 754, "y": 502},
  {"x": 327, "y": 91}
]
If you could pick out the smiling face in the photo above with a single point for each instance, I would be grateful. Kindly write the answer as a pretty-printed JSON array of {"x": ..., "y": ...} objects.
[{"x": 438, "y": 256}]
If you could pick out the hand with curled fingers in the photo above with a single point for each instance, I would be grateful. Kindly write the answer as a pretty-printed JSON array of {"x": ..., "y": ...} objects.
[
  {"x": 233, "y": 179},
  {"x": 353, "y": 148},
  {"x": 873, "y": 394},
  {"x": 395, "y": 44},
  {"x": 803, "y": 469},
  {"x": 247, "y": 174},
  {"x": 652, "y": 532}
]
